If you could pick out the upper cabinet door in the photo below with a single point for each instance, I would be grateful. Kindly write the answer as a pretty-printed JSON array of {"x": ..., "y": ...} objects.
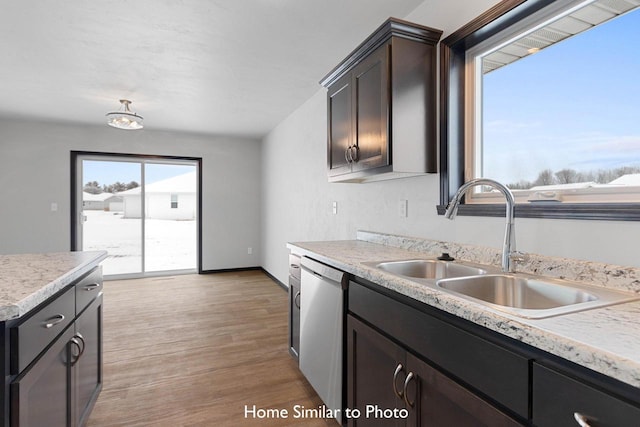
[
  {"x": 381, "y": 111},
  {"x": 339, "y": 127},
  {"x": 371, "y": 110}
]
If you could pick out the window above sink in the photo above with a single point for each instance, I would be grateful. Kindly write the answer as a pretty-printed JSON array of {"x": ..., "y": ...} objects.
[{"x": 549, "y": 109}]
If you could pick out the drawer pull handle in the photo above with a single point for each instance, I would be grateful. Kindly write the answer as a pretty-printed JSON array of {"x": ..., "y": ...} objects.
[
  {"x": 399, "y": 369},
  {"x": 53, "y": 321},
  {"x": 295, "y": 266},
  {"x": 582, "y": 420},
  {"x": 406, "y": 384},
  {"x": 92, "y": 287},
  {"x": 296, "y": 299}
]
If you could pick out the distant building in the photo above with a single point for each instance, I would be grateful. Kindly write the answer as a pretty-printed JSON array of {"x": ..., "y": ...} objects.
[
  {"x": 102, "y": 202},
  {"x": 172, "y": 198}
]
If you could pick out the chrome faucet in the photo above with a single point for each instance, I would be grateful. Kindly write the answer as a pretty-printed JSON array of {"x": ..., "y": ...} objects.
[{"x": 509, "y": 246}]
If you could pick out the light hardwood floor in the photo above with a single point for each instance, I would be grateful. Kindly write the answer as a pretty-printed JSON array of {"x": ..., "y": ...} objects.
[{"x": 194, "y": 350}]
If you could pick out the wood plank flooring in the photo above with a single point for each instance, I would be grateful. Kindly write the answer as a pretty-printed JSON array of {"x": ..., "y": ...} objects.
[{"x": 194, "y": 350}]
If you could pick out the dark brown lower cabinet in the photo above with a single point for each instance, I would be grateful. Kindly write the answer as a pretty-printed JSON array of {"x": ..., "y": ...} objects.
[
  {"x": 560, "y": 400},
  {"x": 60, "y": 388},
  {"x": 294, "y": 319},
  {"x": 40, "y": 396},
  {"x": 294, "y": 305},
  {"x": 87, "y": 370},
  {"x": 389, "y": 386},
  {"x": 371, "y": 363}
]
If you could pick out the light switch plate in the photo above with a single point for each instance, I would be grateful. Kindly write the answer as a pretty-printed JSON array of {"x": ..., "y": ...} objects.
[
  {"x": 335, "y": 208},
  {"x": 403, "y": 208}
]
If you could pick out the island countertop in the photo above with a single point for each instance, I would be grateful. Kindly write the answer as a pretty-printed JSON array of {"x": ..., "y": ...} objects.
[
  {"x": 26, "y": 280},
  {"x": 606, "y": 340}
]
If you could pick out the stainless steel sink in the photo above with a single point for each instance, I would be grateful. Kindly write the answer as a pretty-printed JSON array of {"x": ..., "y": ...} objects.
[
  {"x": 429, "y": 268},
  {"x": 531, "y": 297}
]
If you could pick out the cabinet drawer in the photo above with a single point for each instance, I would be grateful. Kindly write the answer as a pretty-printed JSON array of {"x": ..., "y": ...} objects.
[
  {"x": 88, "y": 289},
  {"x": 36, "y": 332},
  {"x": 557, "y": 397},
  {"x": 294, "y": 266},
  {"x": 497, "y": 372}
]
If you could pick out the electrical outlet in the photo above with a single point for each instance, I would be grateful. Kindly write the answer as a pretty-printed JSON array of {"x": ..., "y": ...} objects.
[
  {"x": 249, "y": 250},
  {"x": 54, "y": 207},
  {"x": 403, "y": 208}
]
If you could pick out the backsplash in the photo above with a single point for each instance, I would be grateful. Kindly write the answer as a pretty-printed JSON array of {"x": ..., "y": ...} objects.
[{"x": 595, "y": 273}]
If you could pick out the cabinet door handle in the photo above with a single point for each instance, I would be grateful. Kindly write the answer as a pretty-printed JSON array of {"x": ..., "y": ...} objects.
[
  {"x": 355, "y": 149},
  {"x": 582, "y": 420},
  {"x": 78, "y": 341},
  {"x": 409, "y": 403},
  {"x": 399, "y": 369},
  {"x": 82, "y": 341},
  {"x": 53, "y": 321},
  {"x": 296, "y": 299},
  {"x": 347, "y": 155},
  {"x": 92, "y": 287}
]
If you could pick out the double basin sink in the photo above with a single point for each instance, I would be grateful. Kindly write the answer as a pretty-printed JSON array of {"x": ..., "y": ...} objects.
[{"x": 519, "y": 294}]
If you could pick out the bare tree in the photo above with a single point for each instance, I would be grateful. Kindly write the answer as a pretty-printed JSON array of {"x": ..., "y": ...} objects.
[
  {"x": 566, "y": 176},
  {"x": 545, "y": 177}
]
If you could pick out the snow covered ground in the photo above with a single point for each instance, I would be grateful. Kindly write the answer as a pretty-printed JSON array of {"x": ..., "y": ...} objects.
[{"x": 170, "y": 245}]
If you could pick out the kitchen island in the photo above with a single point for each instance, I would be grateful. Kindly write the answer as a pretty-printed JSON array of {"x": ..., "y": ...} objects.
[
  {"x": 51, "y": 332},
  {"x": 548, "y": 356}
]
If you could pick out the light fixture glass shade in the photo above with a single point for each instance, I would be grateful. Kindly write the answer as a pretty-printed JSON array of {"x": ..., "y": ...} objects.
[{"x": 125, "y": 118}]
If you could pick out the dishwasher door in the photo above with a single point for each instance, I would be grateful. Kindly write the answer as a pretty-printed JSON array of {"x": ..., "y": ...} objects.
[{"x": 321, "y": 314}]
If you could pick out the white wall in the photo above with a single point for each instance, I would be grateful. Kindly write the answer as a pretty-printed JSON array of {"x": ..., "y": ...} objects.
[
  {"x": 35, "y": 172},
  {"x": 297, "y": 197}
]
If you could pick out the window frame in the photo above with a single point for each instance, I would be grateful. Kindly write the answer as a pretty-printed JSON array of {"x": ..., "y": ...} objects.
[
  {"x": 453, "y": 61},
  {"x": 174, "y": 200}
]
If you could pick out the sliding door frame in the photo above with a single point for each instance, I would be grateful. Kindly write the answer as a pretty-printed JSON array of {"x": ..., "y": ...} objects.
[{"x": 143, "y": 158}]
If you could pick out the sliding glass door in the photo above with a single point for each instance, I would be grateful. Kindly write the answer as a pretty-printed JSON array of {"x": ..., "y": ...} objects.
[
  {"x": 171, "y": 217},
  {"x": 103, "y": 222},
  {"x": 143, "y": 212}
]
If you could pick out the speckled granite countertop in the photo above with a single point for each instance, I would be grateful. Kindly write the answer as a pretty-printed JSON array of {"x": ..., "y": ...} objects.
[
  {"x": 29, "y": 279},
  {"x": 606, "y": 340}
]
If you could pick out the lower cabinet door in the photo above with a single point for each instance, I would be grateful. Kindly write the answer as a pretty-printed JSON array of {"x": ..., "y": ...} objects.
[
  {"x": 389, "y": 386},
  {"x": 375, "y": 372},
  {"x": 41, "y": 395},
  {"x": 87, "y": 367},
  {"x": 435, "y": 400}
]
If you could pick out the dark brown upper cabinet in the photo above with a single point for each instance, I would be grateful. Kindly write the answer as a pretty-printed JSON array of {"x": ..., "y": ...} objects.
[{"x": 381, "y": 106}]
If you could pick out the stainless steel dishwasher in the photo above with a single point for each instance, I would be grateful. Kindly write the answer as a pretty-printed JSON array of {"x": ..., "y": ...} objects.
[{"x": 321, "y": 313}]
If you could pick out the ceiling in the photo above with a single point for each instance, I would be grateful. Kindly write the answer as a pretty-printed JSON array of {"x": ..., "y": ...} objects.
[{"x": 232, "y": 67}]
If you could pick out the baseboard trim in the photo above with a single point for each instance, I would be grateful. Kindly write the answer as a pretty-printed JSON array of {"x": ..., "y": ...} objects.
[
  {"x": 272, "y": 277},
  {"x": 236, "y": 270},
  {"x": 230, "y": 270}
]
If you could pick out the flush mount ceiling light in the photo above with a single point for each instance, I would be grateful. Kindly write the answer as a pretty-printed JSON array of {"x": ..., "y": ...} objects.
[{"x": 125, "y": 118}]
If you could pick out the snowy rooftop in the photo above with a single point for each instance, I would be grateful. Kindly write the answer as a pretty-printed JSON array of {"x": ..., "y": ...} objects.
[
  {"x": 185, "y": 183},
  {"x": 628, "y": 179},
  {"x": 88, "y": 197}
]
